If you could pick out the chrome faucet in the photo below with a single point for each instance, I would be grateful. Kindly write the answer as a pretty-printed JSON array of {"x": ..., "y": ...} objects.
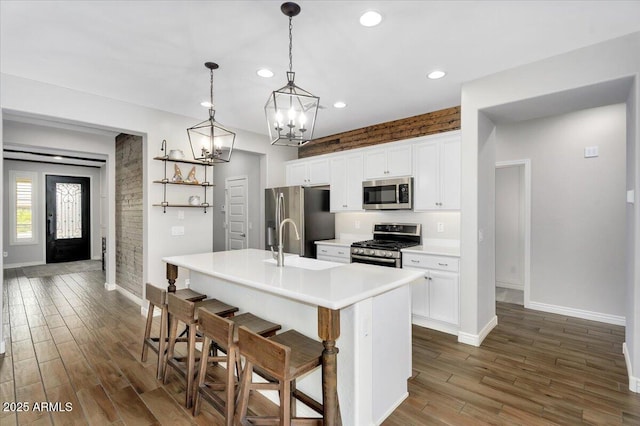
[{"x": 279, "y": 255}]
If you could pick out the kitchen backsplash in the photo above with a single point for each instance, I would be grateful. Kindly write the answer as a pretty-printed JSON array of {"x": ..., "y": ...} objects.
[{"x": 360, "y": 225}]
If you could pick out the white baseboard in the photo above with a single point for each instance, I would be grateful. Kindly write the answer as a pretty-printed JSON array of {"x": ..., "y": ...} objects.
[
  {"x": 126, "y": 293},
  {"x": 578, "y": 313},
  {"x": 2, "y": 347},
  {"x": 476, "y": 339},
  {"x": 392, "y": 409},
  {"x": 512, "y": 286},
  {"x": 435, "y": 325},
  {"x": 144, "y": 310},
  {"x": 23, "y": 264},
  {"x": 634, "y": 382}
]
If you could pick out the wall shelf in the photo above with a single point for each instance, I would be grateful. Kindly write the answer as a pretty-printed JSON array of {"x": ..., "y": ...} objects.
[{"x": 205, "y": 184}]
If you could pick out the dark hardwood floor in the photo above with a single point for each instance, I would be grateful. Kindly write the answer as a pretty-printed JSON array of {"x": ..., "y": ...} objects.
[{"x": 70, "y": 341}]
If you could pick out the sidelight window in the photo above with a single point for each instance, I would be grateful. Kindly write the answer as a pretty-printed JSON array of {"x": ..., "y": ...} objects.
[{"x": 23, "y": 207}]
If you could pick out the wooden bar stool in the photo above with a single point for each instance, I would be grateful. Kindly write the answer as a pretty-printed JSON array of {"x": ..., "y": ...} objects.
[
  {"x": 284, "y": 357},
  {"x": 223, "y": 332},
  {"x": 181, "y": 310},
  {"x": 157, "y": 297}
]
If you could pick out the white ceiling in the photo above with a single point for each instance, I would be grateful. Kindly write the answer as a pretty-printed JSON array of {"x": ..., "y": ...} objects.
[{"x": 152, "y": 53}]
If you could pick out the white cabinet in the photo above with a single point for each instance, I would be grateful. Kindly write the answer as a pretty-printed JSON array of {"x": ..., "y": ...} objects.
[
  {"x": 436, "y": 184},
  {"x": 387, "y": 162},
  {"x": 333, "y": 253},
  {"x": 435, "y": 299},
  {"x": 346, "y": 183},
  {"x": 307, "y": 172}
]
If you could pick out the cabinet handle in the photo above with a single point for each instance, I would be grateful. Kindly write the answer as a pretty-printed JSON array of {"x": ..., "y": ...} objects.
[
  {"x": 415, "y": 261},
  {"x": 340, "y": 252},
  {"x": 443, "y": 264},
  {"x": 323, "y": 251},
  {"x": 344, "y": 205}
]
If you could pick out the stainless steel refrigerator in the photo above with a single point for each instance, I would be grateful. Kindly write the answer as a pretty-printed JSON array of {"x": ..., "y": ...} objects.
[{"x": 308, "y": 208}]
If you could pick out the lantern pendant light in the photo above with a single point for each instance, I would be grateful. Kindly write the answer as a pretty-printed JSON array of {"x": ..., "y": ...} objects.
[
  {"x": 210, "y": 142},
  {"x": 291, "y": 111}
]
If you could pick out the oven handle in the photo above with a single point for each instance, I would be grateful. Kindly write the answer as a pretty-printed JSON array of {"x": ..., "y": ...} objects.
[{"x": 375, "y": 259}]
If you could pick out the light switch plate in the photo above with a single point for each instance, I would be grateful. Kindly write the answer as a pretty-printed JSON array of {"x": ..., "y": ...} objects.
[
  {"x": 590, "y": 151},
  {"x": 440, "y": 226},
  {"x": 630, "y": 196}
]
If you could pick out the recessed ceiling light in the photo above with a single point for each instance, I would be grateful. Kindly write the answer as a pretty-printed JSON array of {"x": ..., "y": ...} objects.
[
  {"x": 370, "y": 18},
  {"x": 434, "y": 75},
  {"x": 206, "y": 104},
  {"x": 265, "y": 73},
  {"x": 339, "y": 104}
]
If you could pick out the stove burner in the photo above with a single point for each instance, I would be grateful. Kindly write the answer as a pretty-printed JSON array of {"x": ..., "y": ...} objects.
[{"x": 384, "y": 244}]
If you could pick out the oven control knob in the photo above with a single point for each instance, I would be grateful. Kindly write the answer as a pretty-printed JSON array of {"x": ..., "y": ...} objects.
[
  {"x": 371, "y": 252},
  {"x": 388, "y": 254}
]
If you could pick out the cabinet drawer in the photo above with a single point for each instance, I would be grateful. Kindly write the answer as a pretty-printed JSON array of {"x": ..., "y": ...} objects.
[
  {"x": 334, "y": 251},
  {"x": 430, "y": 262}
]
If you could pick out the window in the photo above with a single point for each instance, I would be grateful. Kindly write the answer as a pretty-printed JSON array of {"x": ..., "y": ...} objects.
[{"x": 23, "y": 207}]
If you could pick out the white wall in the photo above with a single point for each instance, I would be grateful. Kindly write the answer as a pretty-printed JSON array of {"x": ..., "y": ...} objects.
[
  {"x": 33, "y": 254},
  {"x": 28, "y": 97},
  {"x": 510, "y": 231},
  {"x": 545, "y": 84},
  {"x": 578, "y": 224},
  {"x": 359, "y": 225}
]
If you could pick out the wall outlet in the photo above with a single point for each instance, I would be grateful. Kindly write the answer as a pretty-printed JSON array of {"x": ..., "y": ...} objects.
[
  {"x": 5, "y": 253},
  {"x": 177, "y": 230},
  {"x": 357, "y": 224},
  {"x": 187, "y": 282},
  {"x": 440, "y": 226},
  {"x": 180, "y": 214}
]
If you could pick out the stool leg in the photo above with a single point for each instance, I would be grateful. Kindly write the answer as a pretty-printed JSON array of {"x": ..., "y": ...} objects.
[
  {"x": 162, "y": 342},
  {"x": 243, "y": 394},
  {"x": 147, "y": 333},
  {"x": 202, "y": 373},
  {"x": 285, "y": 403},
  {"x": 173, "y": 330},
  {"x": 231, "y": 385},
  {"x": 191, "y": 360}
]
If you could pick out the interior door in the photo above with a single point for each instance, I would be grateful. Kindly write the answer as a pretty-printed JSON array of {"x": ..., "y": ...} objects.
[
  {"x": 236, "y": 201},
  {"x": 67, "y": 222}
]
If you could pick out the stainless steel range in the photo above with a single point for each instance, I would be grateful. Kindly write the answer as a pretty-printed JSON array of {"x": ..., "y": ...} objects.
[{"x": 388, "y": 240}]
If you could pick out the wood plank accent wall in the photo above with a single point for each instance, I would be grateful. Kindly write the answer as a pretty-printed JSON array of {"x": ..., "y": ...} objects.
[{"x": 444, "y": 120}]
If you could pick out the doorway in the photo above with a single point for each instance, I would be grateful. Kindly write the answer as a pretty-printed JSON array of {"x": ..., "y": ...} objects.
[
  {"x": 236, "y": 212},
  {"x": 513, "y": 231},
  {"x": 67, "y": 218}
]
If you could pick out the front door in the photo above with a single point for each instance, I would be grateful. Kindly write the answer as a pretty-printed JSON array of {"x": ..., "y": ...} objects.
[{"x": 67, "y": 224}]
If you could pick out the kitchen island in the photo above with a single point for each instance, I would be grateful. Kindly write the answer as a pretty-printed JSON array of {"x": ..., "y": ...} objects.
[{"x": 363, "y": 310}]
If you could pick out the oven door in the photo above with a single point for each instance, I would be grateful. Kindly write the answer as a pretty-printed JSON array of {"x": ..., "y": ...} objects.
[{"x": 380, "y": 261}]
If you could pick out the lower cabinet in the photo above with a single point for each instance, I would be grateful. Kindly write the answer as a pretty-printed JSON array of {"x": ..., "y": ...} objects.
[
  {"x": 435, "y": 299},
  {"x": 333, "y": 253}
]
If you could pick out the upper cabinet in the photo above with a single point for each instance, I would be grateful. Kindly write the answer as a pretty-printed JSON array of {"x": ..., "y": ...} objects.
[
  {"x": 387, "y": 162},
  {"x": 436, "y": 163},
  {"x": 346, "y": 183},
  {"x": 307, "y": 172}
]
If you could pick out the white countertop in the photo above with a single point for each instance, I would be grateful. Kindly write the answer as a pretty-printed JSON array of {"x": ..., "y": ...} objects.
[
  {"x": 336, "y": 242},
  {"x": 434, "y": 250},
  {"x": 334, "y": 288}
]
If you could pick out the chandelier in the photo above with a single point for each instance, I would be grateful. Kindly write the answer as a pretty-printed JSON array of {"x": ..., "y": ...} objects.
[
  {"x": 210, "y": 142},
  {"x": 291, "y": 111}
]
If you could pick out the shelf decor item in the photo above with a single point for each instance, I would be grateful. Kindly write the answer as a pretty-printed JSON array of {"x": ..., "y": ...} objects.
[
  {"x": 291, "y": 111},
  {"x": 177, "y": 180},
  {"x": 211, "y": 142}
]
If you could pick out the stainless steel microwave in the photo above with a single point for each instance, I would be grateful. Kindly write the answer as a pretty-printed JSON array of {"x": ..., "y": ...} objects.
[{"x": 388, "y": 194}]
